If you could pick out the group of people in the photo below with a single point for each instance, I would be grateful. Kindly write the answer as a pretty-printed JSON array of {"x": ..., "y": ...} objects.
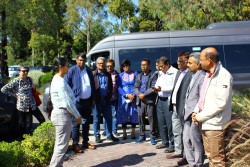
[{"x": 188, "y": 106}]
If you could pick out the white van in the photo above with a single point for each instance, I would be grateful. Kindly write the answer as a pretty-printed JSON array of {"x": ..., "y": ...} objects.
[{"x": 233, "y": 44}]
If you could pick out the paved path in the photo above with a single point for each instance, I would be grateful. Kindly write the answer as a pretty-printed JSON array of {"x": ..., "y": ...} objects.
[{"x": 119, "y": 154}]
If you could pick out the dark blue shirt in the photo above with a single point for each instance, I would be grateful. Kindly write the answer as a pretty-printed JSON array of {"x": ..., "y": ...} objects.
[
  {"x": 144, "y": 81},
  {"x": 103, "y": 83}
]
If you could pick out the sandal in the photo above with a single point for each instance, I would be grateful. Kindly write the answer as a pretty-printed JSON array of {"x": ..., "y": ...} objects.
[
  {"x": 169, "y": 150},
  {"x": 161, "y": 146}
]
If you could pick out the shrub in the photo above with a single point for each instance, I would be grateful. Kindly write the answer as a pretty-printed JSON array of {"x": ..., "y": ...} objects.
[
  {"x": 11, "y": 154},
  {"x": 38, "y": 148},
  {"x": 46, "y": 78},
  {"x": 237, "y": 136},
  {"x": 36, "y": 76}
]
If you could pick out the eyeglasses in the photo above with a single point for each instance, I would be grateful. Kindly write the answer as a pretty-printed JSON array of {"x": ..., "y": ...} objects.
[
  {"x": 181, "y": 61},
  {"x": 24, "y": 71},
  {"x": 125, "y": 65},
  {"x": 109, "y": 66}
]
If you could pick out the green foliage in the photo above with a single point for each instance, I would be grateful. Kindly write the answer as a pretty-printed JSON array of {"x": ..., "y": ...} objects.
[
  {"x": 11, "y": 154},
  {"x": 241, "y": 102},
  {"x": 36, "y": 76},
  {"x": 46, "y": 78},
  {"x": 38, "y": 148}
]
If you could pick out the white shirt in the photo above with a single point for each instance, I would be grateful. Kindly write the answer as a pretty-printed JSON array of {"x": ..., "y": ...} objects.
[
  {"x": 86, "y": 88},
  {"x": 166, "y": 82},
  {"x": 177, "y": 85}
]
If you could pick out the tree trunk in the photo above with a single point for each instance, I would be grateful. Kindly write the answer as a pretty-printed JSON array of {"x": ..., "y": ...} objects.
[
  {"x": 3, "y": 40},
  {"x": 44, "y": 55},
  {"x": 88, "y": 36},
  {"x": 32, "y": 56}
]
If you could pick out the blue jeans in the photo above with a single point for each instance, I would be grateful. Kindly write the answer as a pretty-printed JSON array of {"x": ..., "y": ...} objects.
[
  {"x": 84, "y": 107},
  {"x": 102, "y": 107},
  {"x": 113, "y": 105}
]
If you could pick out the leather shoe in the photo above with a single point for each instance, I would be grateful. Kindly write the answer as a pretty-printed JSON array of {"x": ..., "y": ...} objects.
[
  {"x": 182, "y": 162},
  {"x": 172, "y": 156},
  {"x": 77, "y": 149},
  {"x": 88, "y": 146}
]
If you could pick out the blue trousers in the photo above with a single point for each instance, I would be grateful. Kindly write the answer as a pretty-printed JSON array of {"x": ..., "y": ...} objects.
[
  {"x": 164, "y": 118},
  {"x": 113, "y": 105},
  {"x": 102, "y": 107}
]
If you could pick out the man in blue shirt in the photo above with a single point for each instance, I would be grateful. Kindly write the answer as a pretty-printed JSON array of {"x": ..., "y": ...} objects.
[
  {"x": 81, "y": 81},
  {"x": 145, "y": 100},
  {"x": 103, "y": 87}
]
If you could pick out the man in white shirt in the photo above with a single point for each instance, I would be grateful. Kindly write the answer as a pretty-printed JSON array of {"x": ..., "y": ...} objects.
[
  {"x": 81, "y": 81},
  {"x": 164, "y": 86}
]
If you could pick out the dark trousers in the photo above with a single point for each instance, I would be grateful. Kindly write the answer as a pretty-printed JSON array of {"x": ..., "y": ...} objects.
[
  {"x": 23, "y": 119},
  {"x": 84, "y": 107},
  {"x": 165, "y": 123},
  {"x": 143, "y": 111}
]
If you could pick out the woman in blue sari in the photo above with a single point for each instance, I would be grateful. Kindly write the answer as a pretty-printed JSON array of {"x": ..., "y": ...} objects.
[{"x": 127, "y": 110}]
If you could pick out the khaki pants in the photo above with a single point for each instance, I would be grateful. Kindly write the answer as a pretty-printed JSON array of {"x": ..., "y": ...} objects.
[{"x": 214, "y": 147}]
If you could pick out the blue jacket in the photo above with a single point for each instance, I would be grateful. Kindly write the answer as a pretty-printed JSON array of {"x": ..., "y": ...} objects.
[{"x": 73, "y": 78}]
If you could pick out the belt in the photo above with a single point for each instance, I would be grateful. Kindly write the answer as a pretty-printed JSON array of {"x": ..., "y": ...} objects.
[{"x": 163, "y": 98}]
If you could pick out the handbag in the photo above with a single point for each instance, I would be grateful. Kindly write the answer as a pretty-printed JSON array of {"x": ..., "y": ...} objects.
[
  {"x": 36, "y": 96},
  {"x": 49, "y": 105}
]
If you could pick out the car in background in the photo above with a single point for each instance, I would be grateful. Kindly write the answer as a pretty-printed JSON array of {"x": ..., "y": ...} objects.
[
  {"x": 13, "y": 71},
  {"x": 41, "y": 68}
]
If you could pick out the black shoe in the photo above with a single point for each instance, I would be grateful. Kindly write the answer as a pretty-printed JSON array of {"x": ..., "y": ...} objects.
[
  {"x": 98, "y": 139},
  {"x": 112, "y": 138},
  {"x": 182, "y": 162}
]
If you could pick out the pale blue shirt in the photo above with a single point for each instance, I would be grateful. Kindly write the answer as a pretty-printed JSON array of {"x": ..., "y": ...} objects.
[
  {"x": 86, "y": 88},
  {"x": 62, "y": 96}
]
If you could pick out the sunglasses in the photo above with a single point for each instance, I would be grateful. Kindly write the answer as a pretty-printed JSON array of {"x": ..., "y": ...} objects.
[{"x": 24, "y": 71}]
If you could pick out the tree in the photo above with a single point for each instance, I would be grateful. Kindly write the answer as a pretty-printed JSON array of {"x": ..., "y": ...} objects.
[{"x": 81, "y": 15}]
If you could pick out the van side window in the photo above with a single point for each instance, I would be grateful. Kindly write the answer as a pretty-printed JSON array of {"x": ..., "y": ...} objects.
[
  {"x": 237, "y": 58},
  {"x": 136, "y": 55},
  {"x": 92, "y": 62},
  {"x": 176, "y": 50}
]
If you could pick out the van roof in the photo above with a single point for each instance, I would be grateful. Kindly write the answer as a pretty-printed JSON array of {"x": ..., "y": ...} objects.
[
  {"x": 229, "y": 24},
  {"x": 173, "y": 34}
]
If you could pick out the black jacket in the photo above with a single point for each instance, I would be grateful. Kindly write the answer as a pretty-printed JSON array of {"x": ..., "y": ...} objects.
[{"x": 149, "y": 94}]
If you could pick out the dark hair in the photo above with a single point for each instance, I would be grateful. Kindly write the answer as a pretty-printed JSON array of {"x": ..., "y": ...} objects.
[
  {"x": 61, "y": 61},
  {"x": 147, "y": 60},
  {"x": 185, "y": 54},
  {"x": 110, "y": 61},
  {"x": 164, "y": 60},
  {"x": 125, "y": 62},
  {"x": 82, "y": 55},
  {"x": 24, "y": 67}
]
